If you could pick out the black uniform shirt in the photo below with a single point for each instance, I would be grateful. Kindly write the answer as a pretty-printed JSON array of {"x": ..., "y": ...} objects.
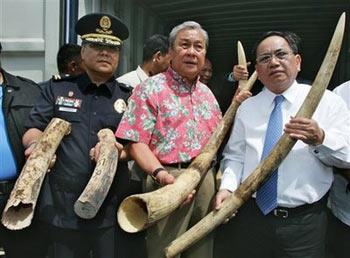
[
  {"x": 88, "y": 108},
  {"x": 18, "y": 99}
]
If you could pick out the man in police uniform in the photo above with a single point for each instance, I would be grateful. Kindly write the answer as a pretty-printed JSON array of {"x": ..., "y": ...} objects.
[
  {"x": 17, "y": 97},
  {"x": 90, "y": 102}
]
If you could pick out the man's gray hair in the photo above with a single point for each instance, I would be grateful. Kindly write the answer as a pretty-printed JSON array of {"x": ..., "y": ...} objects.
[{"x": 187, "y": 25}]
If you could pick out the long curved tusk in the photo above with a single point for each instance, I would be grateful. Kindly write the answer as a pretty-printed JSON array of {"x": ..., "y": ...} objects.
[
  {"x": 139, "y": 211},
  {"x": 241, "y": 61},
  {"x": 19, "y": 210},
  {"x": 95, "y": 192},
  {"x": 279, "y": 152}
]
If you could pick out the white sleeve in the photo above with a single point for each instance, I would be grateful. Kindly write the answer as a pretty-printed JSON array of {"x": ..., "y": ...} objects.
[
  {"x": 233, "y": 157},
  {"x": 335, "y": 149}
]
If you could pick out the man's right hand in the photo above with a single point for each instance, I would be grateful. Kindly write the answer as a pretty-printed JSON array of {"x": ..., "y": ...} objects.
[
  {"x": 30, "y": 139},
  {"x": 29, "y": 149}
]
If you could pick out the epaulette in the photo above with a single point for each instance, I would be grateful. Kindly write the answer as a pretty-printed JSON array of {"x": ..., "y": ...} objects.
[
  {"x": 57, "y": 77},
  {"x": 125, "y": 87}
]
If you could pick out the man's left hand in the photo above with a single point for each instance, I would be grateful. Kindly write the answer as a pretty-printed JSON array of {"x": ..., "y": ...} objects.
[
  {"x": 94, "y": 152},
  {"x": 305, "y": 129}
]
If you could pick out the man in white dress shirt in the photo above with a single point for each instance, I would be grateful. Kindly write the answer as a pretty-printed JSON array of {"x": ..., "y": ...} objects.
[
  {"x": 156, "y": 59},
  {"x": 296, "y": 224},
  {"x": 339, "y": 197}
]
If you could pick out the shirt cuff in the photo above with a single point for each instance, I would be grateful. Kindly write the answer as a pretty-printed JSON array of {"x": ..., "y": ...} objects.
[
  {"x": 332, "y": 152},
  {"x": 229, "y": 180},
  {"x": 324, "y": 149},
  {"x": 230, "y": 77}
]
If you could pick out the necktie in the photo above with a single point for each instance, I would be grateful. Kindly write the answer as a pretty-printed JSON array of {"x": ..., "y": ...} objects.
[{"x": 266, "y": 196}]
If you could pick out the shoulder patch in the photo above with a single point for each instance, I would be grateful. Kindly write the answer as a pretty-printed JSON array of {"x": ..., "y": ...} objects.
[
  {"x": 57, "y": 77},
  {"x": 125, "y": 87}
]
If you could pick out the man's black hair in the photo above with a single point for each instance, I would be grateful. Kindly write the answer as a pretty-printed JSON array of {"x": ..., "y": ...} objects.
[
  {"x": 154, "y": 44},
  {"x": 67, "y": 53},
  {"x": 292, "y": 39}
]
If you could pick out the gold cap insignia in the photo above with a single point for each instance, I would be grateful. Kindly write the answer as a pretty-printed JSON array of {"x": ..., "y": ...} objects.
[
  {"x": 105, "y": 23},
  {"x": 70, "y": 94},
  {"x": 103, "y": 29},
  {"x": 120, "y": 106}
]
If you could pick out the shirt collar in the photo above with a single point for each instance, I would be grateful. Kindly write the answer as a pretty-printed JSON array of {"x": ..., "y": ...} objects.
[
  {"x": 9, "y": 80},
  {"x": 290, "y": 94},
  {"x": 141, "y": 74},
  {"x": 85, "y": 83},
  {"x": 181, "y": 82}
]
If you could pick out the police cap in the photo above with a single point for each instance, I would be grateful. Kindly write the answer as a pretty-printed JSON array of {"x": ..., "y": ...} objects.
[{"x": 102, "y": 28}]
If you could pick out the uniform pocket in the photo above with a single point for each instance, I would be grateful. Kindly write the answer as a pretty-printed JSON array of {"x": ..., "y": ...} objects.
[{"x": 72, "y": 117}]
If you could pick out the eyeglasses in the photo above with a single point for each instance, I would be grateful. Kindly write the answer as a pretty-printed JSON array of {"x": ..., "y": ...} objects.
[{"x": 281, "y": 55}]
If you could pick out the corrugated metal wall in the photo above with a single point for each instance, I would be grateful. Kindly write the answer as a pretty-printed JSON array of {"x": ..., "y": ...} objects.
[
  {"x": 229, "y": 21},
  {"x": 29, "y": 33},
  {"x": 226, "y": 22}
]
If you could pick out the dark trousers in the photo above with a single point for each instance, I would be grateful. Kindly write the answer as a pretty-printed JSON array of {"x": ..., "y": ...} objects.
[
  {"x": 222, "y": 239},
  {"x": 68, "y": 243},
  {"x": 338, "y": 238},
  {"x": 130, "y": 245},
  {"x": 26, "y": 243},
  {"x": 31, "y": 242},
  {"x": 300, "y": 235}
]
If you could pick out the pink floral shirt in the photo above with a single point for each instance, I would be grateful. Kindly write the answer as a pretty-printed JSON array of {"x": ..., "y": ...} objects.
[{"x": 174, "y": 119}]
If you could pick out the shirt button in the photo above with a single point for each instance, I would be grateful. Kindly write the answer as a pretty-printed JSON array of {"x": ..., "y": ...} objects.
[{"x": 94, "y": 113}]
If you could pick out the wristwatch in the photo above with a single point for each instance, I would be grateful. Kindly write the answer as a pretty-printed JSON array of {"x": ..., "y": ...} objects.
[{"x": 155, "y": 173}]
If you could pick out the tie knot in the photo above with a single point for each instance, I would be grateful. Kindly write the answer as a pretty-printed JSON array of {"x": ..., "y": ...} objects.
[{"x": 279, "y": 99}]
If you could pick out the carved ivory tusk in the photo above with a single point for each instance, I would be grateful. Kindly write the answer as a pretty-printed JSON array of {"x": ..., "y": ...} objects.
[
  {"x": 95, "y": 192},
  {"x": 19, "y": 210}
]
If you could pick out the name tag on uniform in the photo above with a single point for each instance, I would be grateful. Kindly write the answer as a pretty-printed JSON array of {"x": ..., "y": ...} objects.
[
  {"x": 67, "y": 109},
  {"x": 68, "y": 104}
]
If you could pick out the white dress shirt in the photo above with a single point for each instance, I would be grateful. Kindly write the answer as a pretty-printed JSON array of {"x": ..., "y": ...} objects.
[
  {"x": 133, "y": 78},
  {"x": 305, "y": 175},
  {"x": 338, "y": 197}
]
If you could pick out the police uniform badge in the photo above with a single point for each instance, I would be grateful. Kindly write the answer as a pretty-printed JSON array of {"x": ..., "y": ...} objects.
[
  {"x": 68, "y": 104},
  {"x": 120, "y": 106}
]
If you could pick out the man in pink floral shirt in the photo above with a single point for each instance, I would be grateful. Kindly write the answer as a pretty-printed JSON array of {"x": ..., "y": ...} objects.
[
  {"x": 174, "y": 118},
  {"x": 169, "y": 120}
]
